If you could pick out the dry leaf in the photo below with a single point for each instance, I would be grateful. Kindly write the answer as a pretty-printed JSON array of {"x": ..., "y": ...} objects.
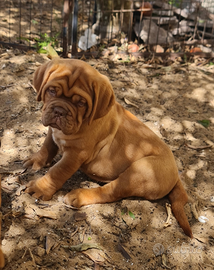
[
  {"x": 198, "y": 147},
  {"x": 164, "y": 261},
  {"x": 19, "y": 190},
  {"x": 51, "y": 52},
  {"x": 82, "y": 247},
  {"x": 97, "y": 256},
  {"x": 49, "y": 243},
  {"x": 45, "y": 213},
  {"x": 79, "y": 216},
  {"x": 130, "y": 103},
  {"x": 122, "y": 250}
]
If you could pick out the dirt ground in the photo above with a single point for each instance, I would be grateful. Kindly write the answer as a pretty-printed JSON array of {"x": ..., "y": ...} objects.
[{"x": 129, "y": 234}]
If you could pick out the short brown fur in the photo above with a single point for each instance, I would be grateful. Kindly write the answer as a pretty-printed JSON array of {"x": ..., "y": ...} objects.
[{"x": 98, "y": 136}]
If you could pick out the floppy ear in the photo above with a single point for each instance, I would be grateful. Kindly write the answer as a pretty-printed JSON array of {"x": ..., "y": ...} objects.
[
  {"x": 39, "y": 79},
  {"x": 104, "y": 98}
]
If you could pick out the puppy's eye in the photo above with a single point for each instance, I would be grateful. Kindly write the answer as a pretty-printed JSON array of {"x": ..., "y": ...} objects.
[
  {"x": 52, "y": 91},
  {"x": 81, "y": 103}
]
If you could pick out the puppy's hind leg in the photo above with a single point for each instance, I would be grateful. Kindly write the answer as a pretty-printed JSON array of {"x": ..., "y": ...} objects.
[{"x": 178, "y": 199}]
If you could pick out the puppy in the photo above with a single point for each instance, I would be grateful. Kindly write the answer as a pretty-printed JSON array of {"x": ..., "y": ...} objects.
[{"x": 98, "y": 136}]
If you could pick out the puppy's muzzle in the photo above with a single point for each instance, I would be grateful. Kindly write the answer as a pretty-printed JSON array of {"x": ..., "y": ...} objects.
[{"x": 59, "y": 112}]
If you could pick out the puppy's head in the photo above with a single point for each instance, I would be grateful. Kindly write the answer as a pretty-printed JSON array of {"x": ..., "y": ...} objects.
[{"x": 72, "y": 92}]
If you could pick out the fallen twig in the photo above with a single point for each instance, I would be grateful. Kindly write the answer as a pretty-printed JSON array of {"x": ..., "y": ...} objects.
[
  {"x": 6, "y": 86},
  {"x": 74, "y": 232},
  {"x": 24, "y": 254},
  {"x": 169, "y": 213},
  {"x": 198, "y": 147},
  {"x": 31, "y": 254},
  {"x": 194, "y": 210},
  {"x": 30, "y": 84},
  {"x": 82, "y": 247}
]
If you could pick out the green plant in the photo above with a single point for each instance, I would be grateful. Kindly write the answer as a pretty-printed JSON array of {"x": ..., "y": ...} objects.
[
  {"x": 175, "y": 3},
  {"x": 204, "y": 123},
  {"x": 43, "y": 42}
]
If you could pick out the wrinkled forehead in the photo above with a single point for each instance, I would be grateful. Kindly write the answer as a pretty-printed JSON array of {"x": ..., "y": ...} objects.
[
  {"x": 70, "y": 76},
  {"x": 73, "y": 67}
]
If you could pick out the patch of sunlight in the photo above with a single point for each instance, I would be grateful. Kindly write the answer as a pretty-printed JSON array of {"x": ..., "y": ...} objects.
[
  {"x": 190, "y": 126},
  {"x": 210, "y": 93},
  {"x": 134, "y": 92},
  {"x": 23, "y": 99},
  {"x": 20, "y": 141},
  {"x": 8, "y": 148},
  {"x": 170, "y": 94},
  {"x": 198, "y": 94},
  {"x": 171, "y": 125},
  {"x": 212, "y": 120},
  {"x": 178, "y": 137},
  {"x": 155, "y": 86},
  {"x": 155, "y": 127},
  {"x": 4, "y": 32},
  {"x": 191, "y": 174},
  {"x": 16, "y": 241},
  {"x": 18, "y": 60},
  {"x": 210, "y": 88},
  {"x": 24, "y": 23},
  {"x": 189, "y": 137},
  {"x": 201, "y": 164},
  {"x": 211, "y": 103},
  {"x": 8, "y": 137},
  {"x": 14, "y": 232},
  {"x": 129, "y": 150},
  {"x": 157, "y": 111}
]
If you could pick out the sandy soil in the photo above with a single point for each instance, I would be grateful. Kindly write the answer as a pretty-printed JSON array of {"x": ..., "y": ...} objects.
[{"x": 129, "y": 234}]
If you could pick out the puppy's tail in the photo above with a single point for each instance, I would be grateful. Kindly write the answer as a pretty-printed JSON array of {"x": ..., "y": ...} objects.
[{"x": 178, "y": 198}]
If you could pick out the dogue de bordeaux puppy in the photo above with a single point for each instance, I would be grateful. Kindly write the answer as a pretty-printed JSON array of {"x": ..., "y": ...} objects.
[{"x": 98, "y": 136}]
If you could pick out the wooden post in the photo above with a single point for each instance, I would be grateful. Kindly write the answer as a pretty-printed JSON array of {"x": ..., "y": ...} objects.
[{"x": 67, "y": 9}]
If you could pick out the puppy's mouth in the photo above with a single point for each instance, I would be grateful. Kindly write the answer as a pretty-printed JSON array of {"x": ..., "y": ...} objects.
[
  {"x": 54, "y": 125},
  {"x": 56, "y": 117}
]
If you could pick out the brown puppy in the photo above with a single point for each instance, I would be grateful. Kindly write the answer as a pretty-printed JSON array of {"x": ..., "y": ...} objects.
[{"x": 98, "y": 136}]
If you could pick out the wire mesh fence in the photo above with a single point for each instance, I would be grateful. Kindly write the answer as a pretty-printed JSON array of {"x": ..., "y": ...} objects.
[
  {"x": 29, "y": 22},
  {"x": 76, "y": 26}
]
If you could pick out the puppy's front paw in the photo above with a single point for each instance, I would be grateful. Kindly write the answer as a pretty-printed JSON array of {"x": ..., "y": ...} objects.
[
  {"x": 76, "y": 198},
  {"x": 80, "y": 197},
  {"x": 41, "y": 188},
  {"x": 36, "y": 161}
]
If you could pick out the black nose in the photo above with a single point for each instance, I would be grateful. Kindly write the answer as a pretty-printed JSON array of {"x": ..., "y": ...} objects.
[{"x": 59, "y": 111}]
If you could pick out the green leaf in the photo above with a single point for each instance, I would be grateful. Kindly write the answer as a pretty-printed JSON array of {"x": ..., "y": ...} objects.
[
  {"x": 51, "y": 52},
  {"x": 131, "y": 215},
  {"x": 41, "y": 50},
  {"x": 122, "y": 212},
  {"x": 34, "y": 22},
  {"x": 204, "y": 123}
]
